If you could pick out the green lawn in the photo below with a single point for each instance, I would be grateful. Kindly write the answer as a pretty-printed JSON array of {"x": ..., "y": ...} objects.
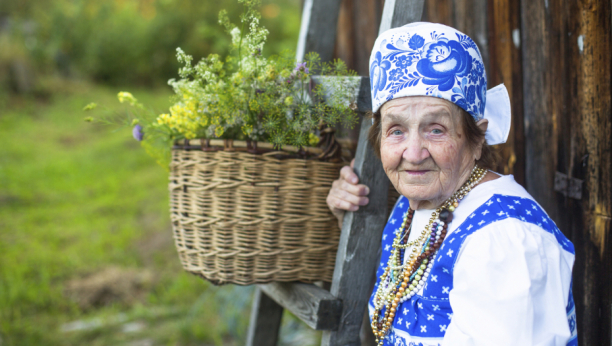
[{"x": 86, "y": 251}]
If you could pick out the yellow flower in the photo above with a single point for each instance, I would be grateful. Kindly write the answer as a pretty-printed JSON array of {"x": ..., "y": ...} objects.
[
  {"x": 247, "y": 129},
  {"x": 219, "y": 131},
  {"x": 285, "y": 74},
  {"x": 313, "y": 139},
  {"x": 270, "y": 73},
  {"x": 163, "y": 118},
  {"x": 90, "y": 106},
  {"x": 253, "y": 105},
  {"x": 125, "y": 96},
  {"x": 289, "y": 100}
]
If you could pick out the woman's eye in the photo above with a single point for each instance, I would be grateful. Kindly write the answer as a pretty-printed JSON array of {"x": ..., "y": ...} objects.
[
  {"x": 397, "y": 133},
  {"x": 436, "y": 131}
]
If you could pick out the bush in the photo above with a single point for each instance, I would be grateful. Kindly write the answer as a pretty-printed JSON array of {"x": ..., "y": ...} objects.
[{"x": 131, "y": 41}]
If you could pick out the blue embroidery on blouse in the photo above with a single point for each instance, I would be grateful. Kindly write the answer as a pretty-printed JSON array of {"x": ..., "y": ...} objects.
[{"x": 429, "y": 315}]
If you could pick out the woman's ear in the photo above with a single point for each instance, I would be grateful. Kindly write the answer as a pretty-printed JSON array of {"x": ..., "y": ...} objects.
[{"x": 483, "y": 125}]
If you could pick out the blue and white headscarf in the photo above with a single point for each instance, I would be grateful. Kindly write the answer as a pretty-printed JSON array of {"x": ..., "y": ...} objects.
[{"x": 427, "y": 59}]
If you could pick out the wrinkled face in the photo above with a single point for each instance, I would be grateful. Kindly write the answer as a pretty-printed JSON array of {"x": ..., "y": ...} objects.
[{"x": 424, "y": 150}]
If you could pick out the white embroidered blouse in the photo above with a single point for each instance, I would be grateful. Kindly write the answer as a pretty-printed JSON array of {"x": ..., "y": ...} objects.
[{"x": 501, "y": 277}]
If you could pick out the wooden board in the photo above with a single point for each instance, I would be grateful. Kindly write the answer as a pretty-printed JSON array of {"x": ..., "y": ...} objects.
[
  {"x": 505, "y": 66},
  {"x": 318, "y": 30},
  {"x": 400, "y": 12},
  {"x": 358, "y": 24},
  {"x": 566, "y": 63},
  {"x": 361, "y": 233},
  {"x": 316, "y": 307},
  {"x": 266, "y": 316}
]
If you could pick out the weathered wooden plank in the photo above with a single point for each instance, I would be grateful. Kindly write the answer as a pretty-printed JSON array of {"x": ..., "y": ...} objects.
[
  {"x": 361, "y": 231},
  {"x": 358, "y": 25},
  {"x": 266, "y": 316},
  {"x": 590, "y": 52},
  {"x": 439, "y": 11},
  {"x": 400, "y": 12},
  {"x": 318, "y": 308},
  {"x": 567, "y": 72},
  {"x": 470, "y": 17},
  {"x": 318, "y": 28},
  {"x": 505, "y": 66},
  {"x": 539, "y": 48}
]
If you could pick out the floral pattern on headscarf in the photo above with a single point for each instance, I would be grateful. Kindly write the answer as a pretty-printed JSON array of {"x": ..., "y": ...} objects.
[{"x": 429, "y": 60}]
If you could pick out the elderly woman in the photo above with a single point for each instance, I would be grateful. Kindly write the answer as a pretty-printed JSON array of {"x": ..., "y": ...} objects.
[{"x": 468, "y": 256}]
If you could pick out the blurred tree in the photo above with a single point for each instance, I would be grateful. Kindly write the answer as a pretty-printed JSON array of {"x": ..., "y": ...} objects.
[{"x": 132, "y": 41}]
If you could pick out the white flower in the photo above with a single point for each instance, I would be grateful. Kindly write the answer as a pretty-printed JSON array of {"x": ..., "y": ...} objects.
[{"x": 235, "y": 36}]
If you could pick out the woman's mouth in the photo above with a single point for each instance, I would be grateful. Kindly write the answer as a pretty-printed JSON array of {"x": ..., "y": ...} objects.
[{"x": 417, "y": 172}]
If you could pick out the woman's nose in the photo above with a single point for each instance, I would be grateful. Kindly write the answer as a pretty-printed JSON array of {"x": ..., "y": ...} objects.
[{"x": 415, "y": 151}]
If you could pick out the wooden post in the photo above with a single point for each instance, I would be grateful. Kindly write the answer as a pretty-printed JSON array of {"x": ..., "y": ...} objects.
[
  {"x": 361, "y": 232},
  {"x": 266, "y": 316},
  {"x": 505, "y": 66},
  {"x": 358, "y": 25},
  {"x": 590, "y": 161},
  {"x": 439, "y": 11},
  {"x": 318, "y": 30},
  {"x": 471, "y": 18},
  {"x": 400, "y": 12}
]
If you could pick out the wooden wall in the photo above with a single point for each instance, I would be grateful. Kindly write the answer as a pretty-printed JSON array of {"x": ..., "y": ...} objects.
[
  {"x": 555, "y": 58},
  {"x": 566, "y": 64}
]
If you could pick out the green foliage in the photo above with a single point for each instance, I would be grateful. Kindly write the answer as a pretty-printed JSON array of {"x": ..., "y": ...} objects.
[
  {"x": 128, "y": 41},
  {"x": 76, "y": 198},
  {"x": 245, "y": 96},
  {"x": 249, "y": 96}
]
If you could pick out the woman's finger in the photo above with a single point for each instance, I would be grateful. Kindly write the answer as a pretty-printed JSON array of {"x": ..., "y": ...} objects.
[
  {"x": 351, "y": 198},
  {"x": 340, "y": 204},
  {"x": 349, "y": 175},
  {"x": 357, "y": 190}
]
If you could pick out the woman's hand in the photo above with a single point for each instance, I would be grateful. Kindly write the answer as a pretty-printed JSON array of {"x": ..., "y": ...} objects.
[{"x": 346, "y": 194}]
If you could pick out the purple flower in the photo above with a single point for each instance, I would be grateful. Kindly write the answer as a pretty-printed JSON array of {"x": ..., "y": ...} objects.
[
  {"x": 301, "y": 67},
  {"x": 137, "y": 132}
]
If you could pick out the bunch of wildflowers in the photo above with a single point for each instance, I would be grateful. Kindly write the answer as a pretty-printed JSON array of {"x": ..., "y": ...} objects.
[
  {"x": 246, "y": 95},
  {"x": 249, "y": 96}
]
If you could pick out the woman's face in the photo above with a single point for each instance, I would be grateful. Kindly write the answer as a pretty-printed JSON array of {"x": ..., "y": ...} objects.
[{"x": 424, "y": 150}]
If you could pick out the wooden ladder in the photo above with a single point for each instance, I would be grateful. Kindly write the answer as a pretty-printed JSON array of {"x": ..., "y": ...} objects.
[{"x": 338, "y": 312}]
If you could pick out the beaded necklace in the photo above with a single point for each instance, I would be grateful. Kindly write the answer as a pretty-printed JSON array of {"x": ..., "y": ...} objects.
[{"x": 402, "y": 279}]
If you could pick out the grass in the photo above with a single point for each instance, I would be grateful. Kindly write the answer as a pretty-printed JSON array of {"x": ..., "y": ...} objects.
[{"x": 77, "y": 198}]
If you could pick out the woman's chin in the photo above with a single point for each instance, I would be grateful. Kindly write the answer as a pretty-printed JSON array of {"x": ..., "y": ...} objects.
[
  {"x": 418, "y": 193},
  {"x": 418, "y": 178}
]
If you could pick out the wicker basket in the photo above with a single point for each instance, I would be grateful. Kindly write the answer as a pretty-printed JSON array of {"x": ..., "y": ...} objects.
[{"x": 248, "y": 217}]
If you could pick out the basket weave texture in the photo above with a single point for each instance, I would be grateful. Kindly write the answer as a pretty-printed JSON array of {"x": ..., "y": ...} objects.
[{"x": 248, "y": 218}]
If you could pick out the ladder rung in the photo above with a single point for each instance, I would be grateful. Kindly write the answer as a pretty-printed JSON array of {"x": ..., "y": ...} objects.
[{"x": 318, "y": 308}]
